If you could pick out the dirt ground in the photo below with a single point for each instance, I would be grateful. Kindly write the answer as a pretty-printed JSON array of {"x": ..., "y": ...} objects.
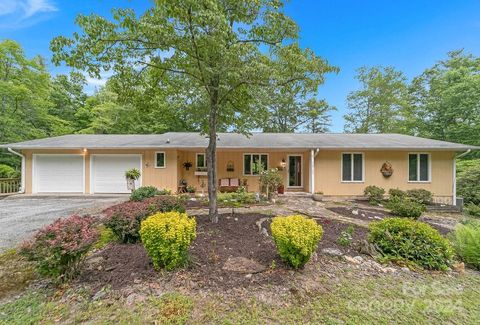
[{"x": 237, "y": 236}]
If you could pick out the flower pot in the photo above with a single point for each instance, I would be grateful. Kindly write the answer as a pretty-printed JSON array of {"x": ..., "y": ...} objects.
[
  {"x": 317, "y": 197},
  {"x": 281, "y": 189},
  {"x": 387, "y": 173}
]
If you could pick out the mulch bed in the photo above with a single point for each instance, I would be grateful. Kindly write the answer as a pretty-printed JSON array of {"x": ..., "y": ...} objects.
[{"x": 233, "y": 236}]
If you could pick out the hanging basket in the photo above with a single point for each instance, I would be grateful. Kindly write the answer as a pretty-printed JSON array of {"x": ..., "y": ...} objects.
[{"x": 387, "y": 169}]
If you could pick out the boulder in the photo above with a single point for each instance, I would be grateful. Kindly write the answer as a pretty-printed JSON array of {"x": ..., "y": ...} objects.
[{"x": 332, "y": 252}]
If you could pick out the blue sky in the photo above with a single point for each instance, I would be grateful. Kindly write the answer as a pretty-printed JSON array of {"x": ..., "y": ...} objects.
[{"x": 409, "y": 35}]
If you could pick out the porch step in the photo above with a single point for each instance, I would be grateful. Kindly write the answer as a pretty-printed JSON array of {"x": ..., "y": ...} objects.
[{"x": 444, "y": 208}]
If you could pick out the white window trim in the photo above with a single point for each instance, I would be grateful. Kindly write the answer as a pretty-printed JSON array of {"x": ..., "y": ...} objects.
[
  {"x": 301, "y": 170},
  {"x": 204, "y": 160},
  {"x": 352, "y": 167},
  {"x": 250, "y": 154},
  {"x": 418, "y": 167},
  {"x": 164, "y": 159}
]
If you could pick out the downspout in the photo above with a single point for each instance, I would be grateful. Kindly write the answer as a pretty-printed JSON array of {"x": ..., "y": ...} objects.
[
  {"x": 22, "y": 180},
  {"x": 455, "y": 175},
  {"x": 313, "y": 154}
]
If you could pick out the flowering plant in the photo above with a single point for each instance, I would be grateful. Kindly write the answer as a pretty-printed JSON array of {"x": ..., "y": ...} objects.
[{"x": 58, "y": 248}]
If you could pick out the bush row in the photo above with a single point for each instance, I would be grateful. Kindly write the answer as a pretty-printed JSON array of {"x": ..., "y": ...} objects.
[{"x": 146, "y": 192}]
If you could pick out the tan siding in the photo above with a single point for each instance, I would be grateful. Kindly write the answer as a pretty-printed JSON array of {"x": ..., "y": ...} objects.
[
  {"x": 224, "y": 157},
  {"x": 328, "y": 173}
]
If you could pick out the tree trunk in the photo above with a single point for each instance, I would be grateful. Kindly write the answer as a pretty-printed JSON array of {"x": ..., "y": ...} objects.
[{"x": 212, "y": 158}]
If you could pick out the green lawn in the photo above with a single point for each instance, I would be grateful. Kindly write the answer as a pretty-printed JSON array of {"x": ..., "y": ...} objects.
[{"x": 351, "y": 299}]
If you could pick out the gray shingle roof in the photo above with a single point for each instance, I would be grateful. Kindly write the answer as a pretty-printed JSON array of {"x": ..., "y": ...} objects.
[{"x": 234, "y": 140}]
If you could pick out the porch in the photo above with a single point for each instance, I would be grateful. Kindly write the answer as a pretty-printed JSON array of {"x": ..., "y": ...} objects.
[{"x": 242, "y": 168}]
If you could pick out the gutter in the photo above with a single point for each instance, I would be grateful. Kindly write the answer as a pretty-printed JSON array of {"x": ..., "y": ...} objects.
[{"x": 22, "y": 186}]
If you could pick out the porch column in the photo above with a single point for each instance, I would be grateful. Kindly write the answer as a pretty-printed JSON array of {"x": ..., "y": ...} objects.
[{"x": 312, "y": 171}]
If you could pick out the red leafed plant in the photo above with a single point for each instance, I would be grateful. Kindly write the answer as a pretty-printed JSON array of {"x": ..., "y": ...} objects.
[
  {"x": 124, "y": 219},
  {"x": 59, "y": 248}
]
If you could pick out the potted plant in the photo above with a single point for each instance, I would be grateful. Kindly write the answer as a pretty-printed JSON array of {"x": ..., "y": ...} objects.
[
  {"x": 281, "y": 189},
  {"x": 387, "y": 169},
  {"x": 270, "y": 180},
  {"x": 187, "y": 165},
  {"x": 132, "y": 175},
  {"x": 318, "y": 196}
]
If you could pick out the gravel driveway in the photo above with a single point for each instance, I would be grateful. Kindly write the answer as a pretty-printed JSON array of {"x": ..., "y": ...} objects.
[{"x": 21, "y": 216}]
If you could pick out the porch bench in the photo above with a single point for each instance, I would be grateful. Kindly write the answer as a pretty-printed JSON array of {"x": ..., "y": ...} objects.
[{"x": 228, "y": 184}]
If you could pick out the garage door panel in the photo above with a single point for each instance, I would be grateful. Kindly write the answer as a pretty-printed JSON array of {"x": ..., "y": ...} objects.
[
  {"x": 108, "y": 172},
  {"x": 58, "y": 174}
]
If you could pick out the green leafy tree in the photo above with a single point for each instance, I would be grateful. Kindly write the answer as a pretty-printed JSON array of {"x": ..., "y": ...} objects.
[
  {"x": 380, "y": 106},
  {"x": 67, "y": 96},
  {"x": 25, "y": 89},
  {"x": 292, "y": 110},
  {"x": 446, "y": 99},
  {"x": 214, "y": 54}
]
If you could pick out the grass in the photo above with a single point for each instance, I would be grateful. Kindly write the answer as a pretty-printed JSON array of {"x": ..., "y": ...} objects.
[
  {"x": 419, "y": 299},
  {"x": 15, "y": 273}
]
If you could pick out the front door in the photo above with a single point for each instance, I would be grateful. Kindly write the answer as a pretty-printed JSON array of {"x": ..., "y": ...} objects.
[{"x": 295, "y": 171}]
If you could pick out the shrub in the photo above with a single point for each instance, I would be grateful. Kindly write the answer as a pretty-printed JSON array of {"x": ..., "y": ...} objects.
[
  {"x": 472, "y": 210},
  {"x": 106, "y": 236},
  {"x": 397, "y": 193},
  {"x": 59, "y": 247},
  {"x": 468, "y": 186},
  {"x": 124, "y": 219},
  {"x": 270, "y": 180},
  {"x": 466, "y": 240},
  {"x": 345, "y": 238},
  {"x": 420, "y": 195},
  {"x": 405, "y": 208},
  {"x": 8, "y": 172},
  {"x": 412, "y": 241},
  {"x": 166, "y": 238},
  {"x": 296, "y": 238},
  {"x": 374, "y": 194},
  {"x": 236, "y": 199},
  {"x": 143, "y": 193},
  {"x": 164, "y": 192}
]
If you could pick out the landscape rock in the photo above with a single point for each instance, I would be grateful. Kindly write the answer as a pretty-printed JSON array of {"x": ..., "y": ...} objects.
[
  {"x": 355, "y": 212},
  {"x": 359, "y": 259},
  {"x": 243, "y": 265},
  {"x": 389, "y": 270},
  {"x": 135, "y": 298},
  {"x": 352, "y": 260},
  {"x": 99, "y": 295},
  {"x": 332, "y": 252}
]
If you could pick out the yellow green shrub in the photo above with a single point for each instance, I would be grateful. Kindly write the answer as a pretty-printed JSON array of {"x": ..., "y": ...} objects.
[
  {"x": 166, "y": 238},
  {"x": 296, "y": 238}
]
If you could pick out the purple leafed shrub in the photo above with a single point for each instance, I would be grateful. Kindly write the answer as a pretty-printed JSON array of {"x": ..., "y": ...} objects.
[
  {"x": 58, "y": 248},
  {"x": 124, "y": 219}
]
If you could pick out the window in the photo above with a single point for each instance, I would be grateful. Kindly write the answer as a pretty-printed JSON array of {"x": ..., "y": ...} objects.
[
  {"x": 160, "y": 159},
  {"x": 418, "y": 167},
  {"x": 352, "y": 167},
  {"x": 253, "y": 164},
  {"x": 201, "y": 163}
]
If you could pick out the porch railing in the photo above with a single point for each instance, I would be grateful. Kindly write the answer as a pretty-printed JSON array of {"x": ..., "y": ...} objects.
[{"x": 9, "y": 185}]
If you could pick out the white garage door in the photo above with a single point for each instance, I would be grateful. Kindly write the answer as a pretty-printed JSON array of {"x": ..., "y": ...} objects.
[
  {"x": 108, "y": 172},
  {"x": 58, "y": 174}
]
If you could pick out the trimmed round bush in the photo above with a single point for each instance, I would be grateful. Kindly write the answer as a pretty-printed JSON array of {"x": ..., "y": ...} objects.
[
  {"x": 466, "y": 240},
  {"x": 420, "y": 195},
  {"x": 413, "y": 241},
  {"x": 374, "y": 194},
  {"x": 143, "y": 192},
  {"x": 405, "y": 208},
  {"x": 397, "y": 193},
  {"x": 166, "y": 238},
  {"x": 59, "y": 247},
  {"x": 296, "y": 238}
]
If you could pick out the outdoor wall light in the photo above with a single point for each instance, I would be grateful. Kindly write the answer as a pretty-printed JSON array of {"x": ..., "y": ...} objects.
[
  {"x": 283, "y": 163},
  {"x": 84, "y": 150}
]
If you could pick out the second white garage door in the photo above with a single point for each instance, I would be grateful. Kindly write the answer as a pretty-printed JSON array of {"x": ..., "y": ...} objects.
[{"x": 108, "y": 172}]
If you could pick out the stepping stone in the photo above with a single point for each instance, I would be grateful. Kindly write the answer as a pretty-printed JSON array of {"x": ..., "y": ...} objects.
[{"x": 243, "y": 265}]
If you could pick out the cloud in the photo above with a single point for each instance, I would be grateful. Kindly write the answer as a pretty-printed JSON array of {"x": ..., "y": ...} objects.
[
  {"x": 94, "y": 84},
  {"x": 23, "y": 13}
]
